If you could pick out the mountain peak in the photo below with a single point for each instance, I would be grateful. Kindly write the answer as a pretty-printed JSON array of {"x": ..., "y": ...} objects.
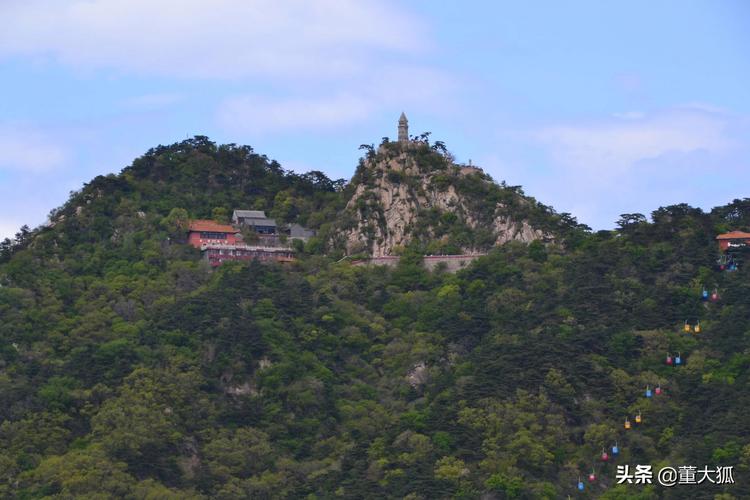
[{"x": 417, "y": 193}]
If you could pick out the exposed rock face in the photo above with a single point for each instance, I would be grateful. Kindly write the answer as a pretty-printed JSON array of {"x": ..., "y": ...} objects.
[
  {"x": 189, "y": 461},
  {"x": 241, "y": 389},
  {"x": 418, "y": 375},
  {"x": 388, "y": 206}
]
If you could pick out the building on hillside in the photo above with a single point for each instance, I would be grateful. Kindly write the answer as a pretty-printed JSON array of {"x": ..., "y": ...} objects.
[
  {"x": 255, "y": 219},
  {"x": 217, "y": 254},
  {"x": 268, "y": 229},
  {"x": 221, "y": 242},
  {"x": 297, "y": 232},
  {"x": 733, "y": 240},
  {"x": 208, "y": 232}
]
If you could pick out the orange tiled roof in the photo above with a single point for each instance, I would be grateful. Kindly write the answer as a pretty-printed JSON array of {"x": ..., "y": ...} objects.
[
  {"x": 734, "y": 235},
  {"x": 209, "y": 225}
]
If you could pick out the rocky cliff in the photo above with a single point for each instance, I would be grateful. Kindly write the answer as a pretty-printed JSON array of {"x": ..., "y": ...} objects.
[{"x": 403, "y": 192}]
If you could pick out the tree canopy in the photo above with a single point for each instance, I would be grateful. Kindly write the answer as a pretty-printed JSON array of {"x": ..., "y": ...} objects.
[{"x": 129, "y": 369}]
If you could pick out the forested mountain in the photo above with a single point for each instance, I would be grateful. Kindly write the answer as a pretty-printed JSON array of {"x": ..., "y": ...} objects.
[{"x": 130, "y": 369}]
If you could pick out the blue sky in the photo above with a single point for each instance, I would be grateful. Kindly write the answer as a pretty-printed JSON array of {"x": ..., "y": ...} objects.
[{"x": 596, "y": 109}]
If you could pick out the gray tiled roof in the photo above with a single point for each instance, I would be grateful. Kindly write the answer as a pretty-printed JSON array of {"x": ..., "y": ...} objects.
[
  {"x": 253, "y": 218},
  {"x": 263, "y": 222},
  {"x": 250, "y": 214},
  {"x": 300, "y": 231}
]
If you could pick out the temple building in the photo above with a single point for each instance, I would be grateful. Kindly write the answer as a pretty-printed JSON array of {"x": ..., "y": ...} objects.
[
  {"x": 733, "y": 240},
  {"x": 266, "y": 227},
  {"x": 256, "y": 220},
  {"x": 217, "y": 254},
  {"x": 299, "y": 232},
  {"x": 221, "y": 242},
  {"x": 208, "y": 232}
]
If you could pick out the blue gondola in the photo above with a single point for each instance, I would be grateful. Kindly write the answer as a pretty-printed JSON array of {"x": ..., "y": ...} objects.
[
  {"x": 678, "y": 360},
  {"x": 581, "y": 486},
  {"x": 704, "y": 294},
  {"x": 648, "y": 392},
  {"x": 615, "y": 449}
]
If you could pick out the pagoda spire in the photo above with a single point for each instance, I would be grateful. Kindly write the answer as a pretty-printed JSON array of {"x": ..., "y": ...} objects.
[{"x": 403, "y": 128}]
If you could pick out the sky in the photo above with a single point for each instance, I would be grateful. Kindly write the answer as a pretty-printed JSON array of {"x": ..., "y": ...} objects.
[{"x": 595, "y": 108}]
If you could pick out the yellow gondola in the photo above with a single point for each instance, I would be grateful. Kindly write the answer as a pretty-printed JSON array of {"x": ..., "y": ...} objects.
[
  {"x": 627, "y": 424},
  {"x": 697, "y": 328},
  {"x": 687, "y": 327},
  {"x": 638, "y": 418}
]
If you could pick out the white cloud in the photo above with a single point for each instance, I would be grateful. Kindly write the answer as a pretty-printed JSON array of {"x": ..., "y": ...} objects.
[
  {"x": 302, "y": 64},
  {"x": 27, "y": 150},
  {"x": 629, "y": 115},
  {"x": 256, "y": 114},
  {"x": 394, "y": 88},
  {"x": 612, "y": 147},
  {"x": 217, "y": 39},
  {"x": 630, "y": 162}
]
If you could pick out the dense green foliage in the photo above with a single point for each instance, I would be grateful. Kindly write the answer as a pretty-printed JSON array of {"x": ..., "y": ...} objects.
[{"x": 128, "y": 369}]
